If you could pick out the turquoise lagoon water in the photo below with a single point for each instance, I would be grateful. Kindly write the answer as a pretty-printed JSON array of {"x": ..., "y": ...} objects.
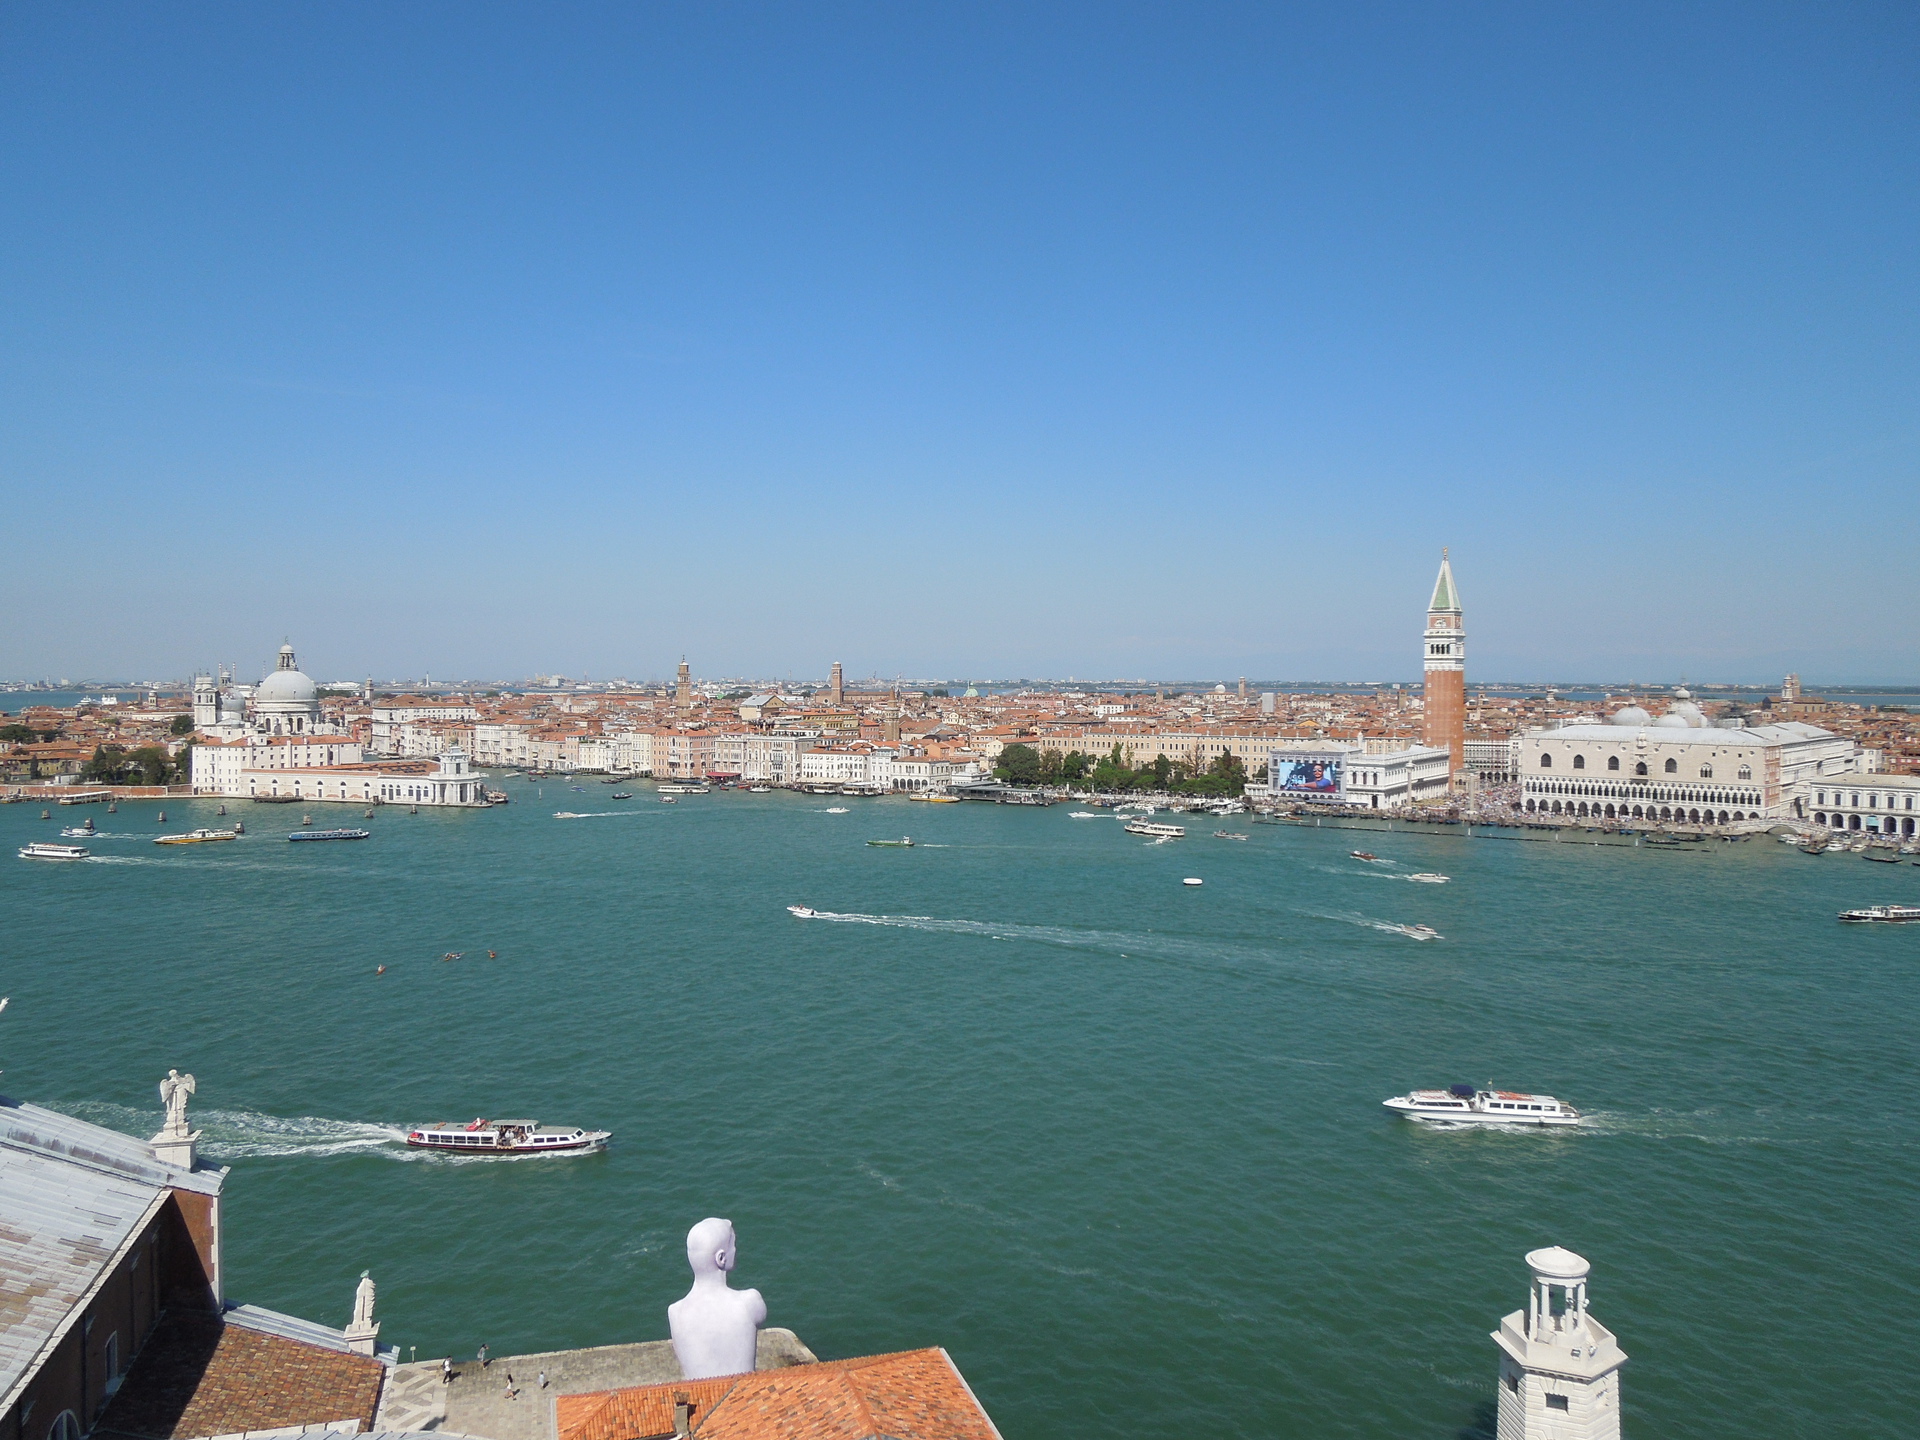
[{"x": 1115, "y": 1142}]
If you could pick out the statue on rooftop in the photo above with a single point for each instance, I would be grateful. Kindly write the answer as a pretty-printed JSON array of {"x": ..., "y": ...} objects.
[
  {"x": 174, "y": 1091},
  {"x": 714, "y": 1327},
  {"x": 363, "y": 1301}
]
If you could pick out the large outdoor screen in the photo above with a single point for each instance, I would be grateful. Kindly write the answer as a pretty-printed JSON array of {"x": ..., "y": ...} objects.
[{"x": 1321, "y": 775}]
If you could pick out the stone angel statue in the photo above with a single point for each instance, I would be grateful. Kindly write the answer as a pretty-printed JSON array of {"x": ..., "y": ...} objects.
[{"x": 174, "y": 1091}]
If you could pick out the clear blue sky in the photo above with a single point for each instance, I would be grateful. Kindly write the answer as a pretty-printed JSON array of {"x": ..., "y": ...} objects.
[{"x": 1100, "y": 340}]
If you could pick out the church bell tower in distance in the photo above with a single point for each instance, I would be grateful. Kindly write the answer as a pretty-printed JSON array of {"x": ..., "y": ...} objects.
[{"x": 1446, "y": 670}]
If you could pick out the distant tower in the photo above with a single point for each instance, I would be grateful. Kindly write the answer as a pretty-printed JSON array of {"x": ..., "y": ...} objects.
[
  {"x": 1243, "y": 689},
  {"x": 683, "y": 688},
  {"x": 1559, "y": 1369},
  {"x": 836, "y": 690},
  {"x": 1790, "y": 688},
  {"x": 1446, "y": 665},
  {"x": 206, "y": 702}
]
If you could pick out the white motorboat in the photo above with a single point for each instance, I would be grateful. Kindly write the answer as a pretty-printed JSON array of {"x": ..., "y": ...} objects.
[
  {"x": 759, "y": 789},
  {"x": 1464, "y": 1105},
  {"x": 80, "y": 832},
  {"x": 1229, "y": 834},
  {"x": 44, "y": 850},
  {"x": 1158, "y": 832},
  {"x": 802, "y": 912},
  {"x": 197, "y": 837},
  {"x": 1416, "y": 932},
  {"x": 837, "y": 810},
  {"x": 1085, "y": 815},
  {"x": 508, "y": 1137},
  {"x": 1872, "y": 914},
  {"x": 1427, "y": 877}
]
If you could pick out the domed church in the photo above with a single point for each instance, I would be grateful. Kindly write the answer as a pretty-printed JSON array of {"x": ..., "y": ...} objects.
[{"x": 286, "y": 702}]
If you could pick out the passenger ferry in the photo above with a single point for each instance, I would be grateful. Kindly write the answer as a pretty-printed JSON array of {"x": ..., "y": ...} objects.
[
  {"x": 44, "y": 850},
  {"x": 1159, "y": 832},
  {"x": 329, "y": 835},
  {"x": 507, "y": 1137},
  {"x": 682, "y": 789},
  {"x": 1464, "y": 1105},
  {"x": 197, "y": 837},
  {"x": 1882, "y": 914}
]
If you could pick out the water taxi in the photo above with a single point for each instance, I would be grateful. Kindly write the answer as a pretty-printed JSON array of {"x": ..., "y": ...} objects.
[
  {"x": 905, "y": 841},
  {"x": 1427, "y": 877},
  {"x": 1872, "y": 914},
  {"x": 759, "y": 789},
  {"x": 196, "y": 837},
  {"x": 621, "y": 795},
  {"x": 80, "y": 832},
  {"x": 1416, "y": 932},
  {"x": 1085, "y": 815},
  {"x": 1464, "y": 1105},
  {"x": 507, "y": 1137},
  {"x": 329, "y": 835},
  {"x": 1159, "y": 832},
  {"x": 1229, "y": 834},
  {"x": 43, "y": 850}
]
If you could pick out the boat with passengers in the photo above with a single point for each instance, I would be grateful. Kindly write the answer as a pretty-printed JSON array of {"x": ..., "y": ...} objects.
[
  {"x": 507, "y": 1137},
  {"x": 1464, "y": 1105},
  {"x": 45, "y": 850}
]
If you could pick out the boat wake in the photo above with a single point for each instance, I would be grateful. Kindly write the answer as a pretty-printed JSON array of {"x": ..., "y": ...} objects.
[
  {"x": 1369, "y": 923},
  {"x": 596, "y": 814},
  {"x": 1127, "y": 946},
  {"x": 249, "y": 1135}
]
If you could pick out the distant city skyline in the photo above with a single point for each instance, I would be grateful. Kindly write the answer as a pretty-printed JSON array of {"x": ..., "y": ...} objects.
[{"x": 1045, "y": 340}]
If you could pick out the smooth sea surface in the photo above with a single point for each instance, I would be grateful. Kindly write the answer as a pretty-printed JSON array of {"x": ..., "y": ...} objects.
[{"x": 1115, "y": 1142}]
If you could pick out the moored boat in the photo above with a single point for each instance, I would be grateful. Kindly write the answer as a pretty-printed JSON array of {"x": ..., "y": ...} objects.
[
  {"x": 1870, "y": 915},
  {"x": 44, "y": 850},
  {"x": 1465, "y": 1105},
  {"x": 507, "y": 1137}
]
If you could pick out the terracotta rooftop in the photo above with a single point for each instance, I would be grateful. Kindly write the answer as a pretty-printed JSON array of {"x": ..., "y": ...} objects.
[
  {"x": 198, "y": 1376},
  {"x": 912, "y": 1395}
]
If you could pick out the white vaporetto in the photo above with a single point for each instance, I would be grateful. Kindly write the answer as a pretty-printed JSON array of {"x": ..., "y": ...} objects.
[{"x": 714, "y": 1327}]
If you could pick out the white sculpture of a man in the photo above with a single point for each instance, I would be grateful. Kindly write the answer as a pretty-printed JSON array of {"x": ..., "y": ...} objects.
[
  {"x": 174, "y": 1091},
  {"x": 714, "y": 1327}
]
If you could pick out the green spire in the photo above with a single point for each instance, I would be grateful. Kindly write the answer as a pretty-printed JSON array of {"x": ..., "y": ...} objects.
[{"x": 1445, "y": 597}]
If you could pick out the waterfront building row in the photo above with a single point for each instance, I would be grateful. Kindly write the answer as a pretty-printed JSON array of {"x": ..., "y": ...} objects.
[
  {"x": 1881, "y": 804},
  {"x": 318, "y": 769}
]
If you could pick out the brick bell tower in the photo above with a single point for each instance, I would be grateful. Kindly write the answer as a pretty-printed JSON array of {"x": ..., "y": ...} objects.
[{"x": 1446, "y": 669}]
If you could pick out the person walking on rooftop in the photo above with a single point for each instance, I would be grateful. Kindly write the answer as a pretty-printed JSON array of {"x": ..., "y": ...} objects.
[
  {"x": 446, "y": 1371},
  {"x": 484, "y": 1358}
]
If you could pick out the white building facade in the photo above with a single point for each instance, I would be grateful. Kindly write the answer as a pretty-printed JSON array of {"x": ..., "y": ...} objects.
[
  {"x": 1638, "y": 769},
  {"x": 1376, "y": 774},
  {"x": 1873, "y": 802}
]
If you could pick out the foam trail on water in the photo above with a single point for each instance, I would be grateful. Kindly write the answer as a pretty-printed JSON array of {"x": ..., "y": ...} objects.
[
  {"x": 248, "y": 1134},
  {"x": 1365, "y": 921},
  {"x": 593, "y": 814},
  {"x": 1146, "y": 946}
]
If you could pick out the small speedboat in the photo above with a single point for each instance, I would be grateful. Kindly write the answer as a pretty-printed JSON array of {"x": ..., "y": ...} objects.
[
  {"x": 836, "y": 810},
  {"x": 1229, "y": 835},
  {"x": 1427, "y": 877},
  {"x": 1363, "y": 855},
  {"x": 1464, "y": 1105},
  {"x": 620, "y": 795},
  {"x": 80, "y": 832},
  {"x": 508, "y": 1137},
  {"x": 1193, "y": 880},
  {"x": 803, "y": 912},
  {"x": 905, "y": 841},
  {"x": 42, "y": 850},
  {"x": 1416, "y": 932},
  {"x": 759, "y": 789}
]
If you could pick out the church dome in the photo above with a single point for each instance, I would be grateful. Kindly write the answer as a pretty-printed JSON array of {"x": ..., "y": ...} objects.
[
  {"x": 1689, "y": 712},
  {"x": 1670, "y": 721},
  {"x": 1632, "y": 715},
  {"x": 286, "y": 687}
]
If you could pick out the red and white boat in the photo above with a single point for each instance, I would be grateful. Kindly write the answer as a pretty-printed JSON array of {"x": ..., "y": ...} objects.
[{"x": 507, "y": 1137}]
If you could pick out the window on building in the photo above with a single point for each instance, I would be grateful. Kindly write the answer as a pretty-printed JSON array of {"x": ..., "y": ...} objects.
[
  {"x": 110, "y": 1352},
  {"x": 1579, "y": 762},
  {"x": 1546, "y": 762},
  {"x": 1556, "y": 1402},
  {"x": 1746, "y": 772},
  {"x": 1513, "y": 1382},
  {"x": 1613, "y": 762},
  {"x": 1673, "y": 767},
  {"x": 1641, "y": 768},
  {"x": 65, "y": 1427},
  {"x": 1706, "y": 772}
]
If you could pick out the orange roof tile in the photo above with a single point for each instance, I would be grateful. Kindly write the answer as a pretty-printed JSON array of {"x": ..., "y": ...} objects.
[{"x": 912, "y": 1395}]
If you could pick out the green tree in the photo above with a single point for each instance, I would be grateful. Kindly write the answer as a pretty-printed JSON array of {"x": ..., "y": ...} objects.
[
  {"x": 182, "y": 725},
  {"x": 149, "y": 765},
  {"x": 109, "y": 762},
  {"x": 1019, "y": 765},
  {"x": 18, "y": 734},
  {"x": 1075, "y": 766}
]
